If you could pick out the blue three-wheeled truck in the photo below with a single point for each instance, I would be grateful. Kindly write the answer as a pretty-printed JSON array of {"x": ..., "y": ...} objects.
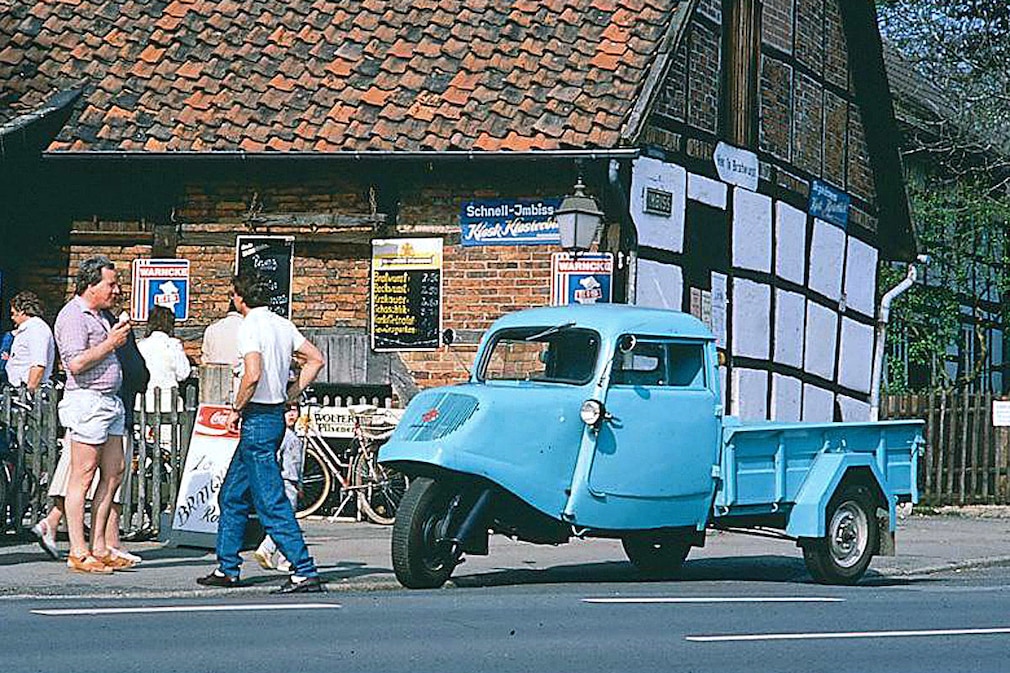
[{"x": 607, "y": 421}]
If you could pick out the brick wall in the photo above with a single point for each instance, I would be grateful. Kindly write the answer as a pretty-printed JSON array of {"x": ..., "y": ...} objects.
[
  {"x": 703, "y": 78},
  {"x": 777, "y": 24},
  {"x": 807, "y": 124},
  {"x": 776, "y": 105}
]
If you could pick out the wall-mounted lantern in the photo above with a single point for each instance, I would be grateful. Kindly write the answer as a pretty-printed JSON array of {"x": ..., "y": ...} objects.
[{"x": 579, "y": 219}]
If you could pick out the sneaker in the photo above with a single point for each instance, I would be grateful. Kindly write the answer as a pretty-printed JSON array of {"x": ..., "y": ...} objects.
[
  {"x": 122, "y": 553},
  {"x": 87, "y": 564},
  {"x": 47, "y": 539},
  {"x": 301, "y": 585},
  {"x": 219, "y": 579},
  {"x": 116, "y": 562},
  {"x": 263, "y": 559},
  {"x": 283, "y": 565}
]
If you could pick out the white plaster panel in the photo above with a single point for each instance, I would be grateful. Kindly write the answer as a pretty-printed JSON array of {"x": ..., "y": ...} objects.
[
  {"x": 853, "y": 411},
  {"x": 790, "y": 242},
  {"x": 818, "y": 404},
  {"x": 659, "y": 285},
  {"x": 860, "y": 277},
  {"x": 790, "y": 320},
  {"x": 787, "y": 394},
  {"x": 750, "y": 394},
  {"x": 822, "y": 327},
  {"x": 827, "y": 250},
  {"x": 720, "y": 302},
  {"x": 706, "y": 190},
  {"x": 751, "y": 308},
  {"x": 752, "y": 230},
  {"x": 855, "y": 356},
  {"x": 658, "y": 231},
  {"x": 723, "y": 385}
]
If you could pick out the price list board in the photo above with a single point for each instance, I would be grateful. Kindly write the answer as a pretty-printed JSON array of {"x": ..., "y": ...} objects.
[
  {"x": 269, "y": 256},
  {"x": 406, "y": 305}
]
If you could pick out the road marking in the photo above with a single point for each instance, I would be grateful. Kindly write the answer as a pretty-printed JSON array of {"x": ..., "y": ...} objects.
[
  {"x": 76, "y": 612},
  {"x": 850, "y": 634},
  {"x": 717, "y": 599}
]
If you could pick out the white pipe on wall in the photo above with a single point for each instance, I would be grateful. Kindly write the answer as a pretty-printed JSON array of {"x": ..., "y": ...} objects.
[{"x": 884, "y": 315}]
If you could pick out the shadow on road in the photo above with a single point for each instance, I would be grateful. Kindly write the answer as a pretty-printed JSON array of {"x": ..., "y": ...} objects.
[{"x": 750, "y": 569}]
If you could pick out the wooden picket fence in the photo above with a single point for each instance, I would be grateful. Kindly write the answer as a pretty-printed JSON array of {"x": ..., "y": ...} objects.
[{"x": 966, "y": 460}]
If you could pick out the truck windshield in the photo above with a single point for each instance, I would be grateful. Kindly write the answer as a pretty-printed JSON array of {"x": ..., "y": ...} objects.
[{"x": 558, "y": 354}]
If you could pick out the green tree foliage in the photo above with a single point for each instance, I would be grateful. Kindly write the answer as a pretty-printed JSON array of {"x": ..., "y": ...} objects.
[{"x": 959, "y": 153}]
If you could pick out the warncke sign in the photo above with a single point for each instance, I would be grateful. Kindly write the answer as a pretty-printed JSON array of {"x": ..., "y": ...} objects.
[{"x": 509, "y": 222}]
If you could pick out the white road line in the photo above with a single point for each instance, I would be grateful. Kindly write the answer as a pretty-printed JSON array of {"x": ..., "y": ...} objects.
[
  {"x": 718, "y": 599},
  {"x": 850, "y": 634},
  {"x": 75, "y": 612}
]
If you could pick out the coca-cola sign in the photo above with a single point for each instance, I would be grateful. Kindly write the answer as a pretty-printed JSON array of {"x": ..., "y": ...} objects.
[{"x": 212, "y": 420}]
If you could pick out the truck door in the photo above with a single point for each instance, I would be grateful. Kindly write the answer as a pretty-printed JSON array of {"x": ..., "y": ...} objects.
[{"x": 663, "y": 435}]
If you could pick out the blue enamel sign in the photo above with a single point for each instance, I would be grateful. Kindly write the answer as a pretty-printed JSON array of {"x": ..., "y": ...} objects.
[
  {"x": 829, "y": 204},
  {"x": 509, "y": 222}
]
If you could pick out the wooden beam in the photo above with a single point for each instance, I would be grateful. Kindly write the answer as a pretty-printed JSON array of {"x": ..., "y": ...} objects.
[
  {"x": 227, "y": 238},
  {"x": 100, "y": 237},
  {"x": 166, "y": 238},
  {"x": 327, "y": 220}
]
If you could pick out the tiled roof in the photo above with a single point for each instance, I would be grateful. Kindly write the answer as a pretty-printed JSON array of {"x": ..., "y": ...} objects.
[{"x": 333, "y": 75}]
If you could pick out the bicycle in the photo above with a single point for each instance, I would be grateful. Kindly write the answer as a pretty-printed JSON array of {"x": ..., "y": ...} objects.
[
  {"x": 18, "y": 483},
  {"x": 375, "y": 490}
]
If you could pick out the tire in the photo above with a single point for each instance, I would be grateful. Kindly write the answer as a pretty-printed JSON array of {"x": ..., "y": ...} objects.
[
  {"x": 418, "y": 560},
  {"x": 380, "y": 490},
  {"x": 843, "y": 556},
  {"x": 316, "y": 484},
  {"x": 657, "y": 556}
]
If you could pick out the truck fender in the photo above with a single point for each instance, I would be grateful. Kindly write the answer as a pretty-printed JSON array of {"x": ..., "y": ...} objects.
[{"x": 807, "y": 517}]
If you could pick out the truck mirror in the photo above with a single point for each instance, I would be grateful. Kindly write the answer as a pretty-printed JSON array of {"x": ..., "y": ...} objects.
[
  {"x": 448, "y": 336},
  {"x": 627, "y": 343}
]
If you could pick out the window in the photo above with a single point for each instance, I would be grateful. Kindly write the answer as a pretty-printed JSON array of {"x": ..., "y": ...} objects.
[
  {"x": 558, "y": 354},
  {"x": 661, "y": 363}
]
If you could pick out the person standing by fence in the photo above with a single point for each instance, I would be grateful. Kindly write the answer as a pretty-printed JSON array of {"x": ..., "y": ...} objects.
[
  {"x": 135, "y": 379},
  {"x": 91, "y": 409},
  {"x": 267, "y": 343},
  {"x": 33, "y": 350},
  {"x": 165, "y": 359}
]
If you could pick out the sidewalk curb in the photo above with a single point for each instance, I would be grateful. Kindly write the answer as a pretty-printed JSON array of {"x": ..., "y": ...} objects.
[{"x": 951, "y": 566}]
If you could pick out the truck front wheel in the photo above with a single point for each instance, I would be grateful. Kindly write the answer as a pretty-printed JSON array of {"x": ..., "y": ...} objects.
[
  {"x": 843, "y": 556},
  {"x": 421, "y": 559},
  {"x": 657, "y": 556}
]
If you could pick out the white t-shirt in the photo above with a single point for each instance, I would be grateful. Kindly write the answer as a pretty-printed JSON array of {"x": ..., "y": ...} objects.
[
  {"x": 275, "y": 339},
  {"x": 168, "y": 365},
  {"x": 33, "y": 346}
]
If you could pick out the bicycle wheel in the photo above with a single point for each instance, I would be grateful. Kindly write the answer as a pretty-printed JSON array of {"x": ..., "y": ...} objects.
[
  {"x": 316, "y": 484},
  {"x": 380, "y": 489}
]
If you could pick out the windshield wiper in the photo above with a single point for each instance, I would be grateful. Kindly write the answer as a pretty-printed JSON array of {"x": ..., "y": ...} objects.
[{"x": 549, "y": 331}]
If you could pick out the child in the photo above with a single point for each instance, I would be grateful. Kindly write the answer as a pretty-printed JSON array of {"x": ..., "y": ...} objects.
[{"x": 290, "y": 455}]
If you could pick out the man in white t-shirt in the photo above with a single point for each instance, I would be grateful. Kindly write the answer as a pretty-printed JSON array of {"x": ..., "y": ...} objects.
[
  {"x": 267, "y": 343},
  {"x": 33, "y": 350}
]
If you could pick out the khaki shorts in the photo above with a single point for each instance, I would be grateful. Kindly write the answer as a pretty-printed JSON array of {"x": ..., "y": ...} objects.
[
  {"x": 61, "y": 476},
  {"x": 91, "y": 417}
]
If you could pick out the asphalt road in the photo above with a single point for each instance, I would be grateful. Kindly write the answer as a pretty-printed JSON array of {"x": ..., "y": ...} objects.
[{"x": 943, "y": 622}]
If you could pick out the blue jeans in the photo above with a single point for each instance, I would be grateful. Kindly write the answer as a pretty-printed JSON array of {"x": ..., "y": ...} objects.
[{"x": 254, "y": 478}]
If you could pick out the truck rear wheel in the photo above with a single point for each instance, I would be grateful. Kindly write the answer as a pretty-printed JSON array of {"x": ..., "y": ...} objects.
[
  {"x": 843, "y": 555},
  {"x": 656, "y": 556},
  {"x": 420, "y": 559}
]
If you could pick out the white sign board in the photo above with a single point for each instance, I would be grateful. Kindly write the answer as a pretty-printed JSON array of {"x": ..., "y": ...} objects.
[
  {"x": 1001, "y": 413},
  {"x": 160, "y": 282},
  {"x": 736, "y": 166},
  {"x": 210, "y": 451},
  {"x": 329, "y": 422}
]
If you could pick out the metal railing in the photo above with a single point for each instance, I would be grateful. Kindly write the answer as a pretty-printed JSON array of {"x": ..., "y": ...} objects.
[{"x": 160, "y": 441}]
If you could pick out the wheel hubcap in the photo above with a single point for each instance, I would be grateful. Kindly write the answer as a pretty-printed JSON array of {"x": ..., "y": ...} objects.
[{"x": 849, "y": 534}]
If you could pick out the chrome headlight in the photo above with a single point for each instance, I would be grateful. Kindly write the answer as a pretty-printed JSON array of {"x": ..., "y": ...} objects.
[{"x": 592, "y": 413}]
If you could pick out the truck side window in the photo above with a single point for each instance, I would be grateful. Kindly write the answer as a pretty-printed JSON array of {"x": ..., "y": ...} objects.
[{"x": 661, "y": 363}]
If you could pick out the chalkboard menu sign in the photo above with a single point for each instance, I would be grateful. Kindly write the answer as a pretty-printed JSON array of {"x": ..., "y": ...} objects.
[
  {"x": 406, "y": 294},
  {"x": 271, "y": 257}
]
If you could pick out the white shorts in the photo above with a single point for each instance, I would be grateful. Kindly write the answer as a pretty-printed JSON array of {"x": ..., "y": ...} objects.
[
  {"x": 90, "y": 416},
  {"x": 60, "y": 481}
]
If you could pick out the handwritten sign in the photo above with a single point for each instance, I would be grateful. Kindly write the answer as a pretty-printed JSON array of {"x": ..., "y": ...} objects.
[
  {"x": 406, "y": 294},
  {"x": 509, "y": 222},
  {"x": 829, "y": 204},
  {"x": 210, "y": 451},
  {"x": 269, "y": 256}
]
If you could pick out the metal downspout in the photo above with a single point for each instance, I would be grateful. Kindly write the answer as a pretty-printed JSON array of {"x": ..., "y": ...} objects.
[{"x": 884, "y": 316}]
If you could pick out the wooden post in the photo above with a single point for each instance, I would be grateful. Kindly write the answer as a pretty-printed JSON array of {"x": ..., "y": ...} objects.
[
  {"x": 963, "y": 449},
  {"x": 930, "y": 438}
]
